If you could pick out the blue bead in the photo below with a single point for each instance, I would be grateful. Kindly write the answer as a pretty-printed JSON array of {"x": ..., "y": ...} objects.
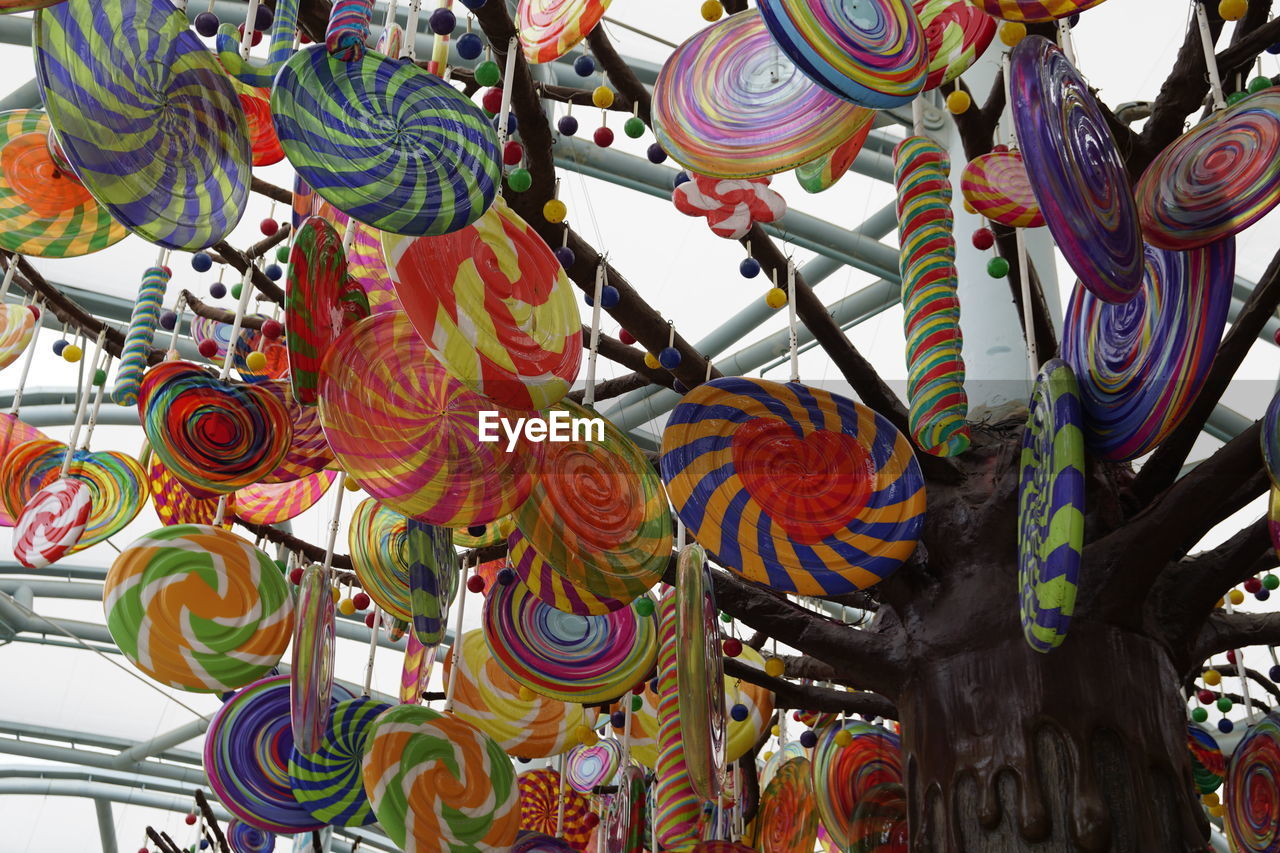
[
  {"x": 1073, "y": 20},
  {"x": 263, "y": 19},
  {"x": 1274, "y": 49},
  {"x": 201, "y": 262},
  {"x": 1262, "y": 594},
  {"x": 204, "y": 843},
  {"x": 168, "y": 319},
  {"x": 1225, "y": 726},
  {"x": 59, "y": 345},
  {"x": 750, "y": 268},
  {"x": 511, "y": 122},
  {"x": 1274, "y": 673},
  {"x": 618, "y": 719},
  {"x": 470, "y": 46},
  {"x": 584, "y": 65},
  {"x": 274, "y": 272},
  {"x": 656, "y": 153},
  {"x": 567, "y": 125},
  {"x": 565, "y": 256},
  {"x": 808, "y": 739},
  {"x": 506, "y": 576},
  {"x": 442, "y": 22},
  {"x": 679, "y": 387},
  {"x": 609, "y": 296},
  {"x": 653, "y": 686},
  {"x": 739, "y": 712},
  {"x": 669, "y": 358},
  {"x": 217, "y": 290},
  {"x": 207, "y": 24},
  {"x": 682, "y": 178}
]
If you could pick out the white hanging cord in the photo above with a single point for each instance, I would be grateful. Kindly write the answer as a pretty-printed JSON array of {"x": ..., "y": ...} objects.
[
  {"x": 455, "y": 650},
  {"x": 373, "y": 650},
  {"x": 26, "y": 362},
  {"x": 410, "y": 48},
  {"x": 792, "y": 324},
  {"x": 917, "y": 116},
  {"x": 1210, "y": 58},
  {"x": 1065, "y": 41},
  {"x": 508, "y": 81},
  {"x": 180, "y": 312},
  {"x": 327, "y": 567},
  {"x": 246, "y": 42},
  {"x": 1024, "y": 276},
  {"x": 246, "y": 290},
  {"x": 589, "y": 393},
  {"x": 82, "y": 404},
  {"x": 8, "y": 276},
  {"x": 391, "y": 15},
  {"x": 560, "y": 800},
  {"x": 349, "y": 236},
  {"x": 97, "y": 402},
  {"x": 221, "y": 514}
]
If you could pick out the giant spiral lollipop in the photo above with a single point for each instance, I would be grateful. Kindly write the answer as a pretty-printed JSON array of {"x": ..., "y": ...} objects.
[
  {"x": 1252, "y": 792},
  {"x": 327, "y": 781},
  {"x": 879, "y": 822},
  {"x": 51, "y": 523},
  {"x": 541, "y": 795},
  {"x": 1208, "y": 766},
  {"x": 175, "y": 505},
  {"x": 843, "y": 774},
  {"x": 311, "y": 673},
  {"x": 348, "y": 29},
  {"x": 1142, "y": 364},
  {"x": 997, "y": 187},
  {"x": 273, "y": 503},
  {"x": 623, "y": 827},
  {"x": 244, "y": 838},
  {"x": 256, "y": 104},
  {"x": 17, "y": 328},
  {"x": 551, "y": 28},
  {"x": 378, "y": 537},
  {"x": 433, "y": 578},
  {"x": 308, "y": 451},
  {"x": 699, "y": 673},
  {"x": 14, "y": 432},
  {"x": 552, "y": 587},
  {"x": 262, "y": 74},
  {"x": 677, "y": 808},
  {"x": 1035, "y": 11},
  {"x": 588, "y": 766},
  {"x": 956, "y": 34},
  {"x": 787, "y": 819}
]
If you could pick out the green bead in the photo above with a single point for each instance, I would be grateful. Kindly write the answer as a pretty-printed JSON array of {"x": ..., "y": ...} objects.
[
  {"x": 726, "y": 618},
  {"x": 636, "y": 703},
  {"x": 1270, "y": 581},
  {"x": 1236, "y": 97},
  {"x": 997, "y": 268},
  {"x": 282, "y": 566},
  {"x": 282, "y": 255},
  {"x": 1199, "y": 714},
  {"x": 644, "y": 606},
  {"x": 634, "y": 127},
  {"x": 99, "y": 377},
  {"x": 487, "y": 73},
  {"x": 1224, "y": 704},
  {"x": 519, "y": 180},
  {"x": 236, "y": 290},
  {"x": 1257, "y": 84}
]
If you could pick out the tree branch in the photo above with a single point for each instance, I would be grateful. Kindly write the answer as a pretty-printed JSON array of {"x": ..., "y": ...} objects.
[
  {"x": 806, "y": 697},
  {"x": 1224, "y": 631}
]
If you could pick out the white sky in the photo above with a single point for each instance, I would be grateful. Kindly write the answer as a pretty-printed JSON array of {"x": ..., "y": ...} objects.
[{"x": 1125, "y": 47}]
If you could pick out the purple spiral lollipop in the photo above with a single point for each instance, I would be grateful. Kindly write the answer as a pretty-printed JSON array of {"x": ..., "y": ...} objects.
[
  {"x": 1141, "y": 364},
  {"x": 246, "y": 757},
  {"x": 244, "y": 838},
  {"x": 1078, "y": 177}
]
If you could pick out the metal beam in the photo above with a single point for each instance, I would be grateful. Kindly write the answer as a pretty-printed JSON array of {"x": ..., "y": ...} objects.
[
  {"x": 106, "y": 825},
  {"x": 137, "y": 753}
]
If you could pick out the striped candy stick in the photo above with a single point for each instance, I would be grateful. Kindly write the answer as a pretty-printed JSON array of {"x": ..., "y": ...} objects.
[
  {"x": 677, "y": 809},
  {"x": 348, "y": 29},
  {"x": 142, "y": 329},
  {"x": 257, "y": 73}
]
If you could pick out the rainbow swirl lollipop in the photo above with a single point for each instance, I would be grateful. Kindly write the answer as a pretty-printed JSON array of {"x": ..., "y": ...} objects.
[
  {"x": 494, "y": 307},
  {"x": 567, "y": 656},
  {"x": 541, "y": 796},
  {"x": 263, "y": 141},
  {"x": 175, "y": 505},
  {"x": 272, "y": 503},
  {"x": 792, "y": 486},
  {"x": 1076, "y": 173},
  {"x": 147, "y": 117},
  {"x": 589, "y": 766},
  {"x": 311, "y": 674},
  {"x": 327, "y": 781},
  {"x": 492, "y": 701},
  {"x": 872, "y": 53},
  {"x": 1141, "y": 365},
  {"x": 880, "y": 821},
  {"x": 365, "y": 261},
  {"x": 377, "y": 538},
  {"x": 246, "y": 757},
  {"x": 699, "y": 672},
  {"x": 1269, "y": 438},
  {"x": 308, "y": 451},
  {"x": 213, "y": 436},
  {"x": 409, "y": 433},
  {"x": 1034, "y": 11},
  {"x": 843, "y": 774},
  {"x": 17, "y": 328},
  {"x": 1215, "y": 180},
  {"x": 13, "y": 433},
  {"x": 677, "y": 808},
  {"x": 1208, "y": 766},
  {"x": 551, "y": 28},
  {"x": 822, "y": 173},
  {"x": 1252, "y": 792},
  {"x": 956, "y": 35},
  {"x": 784, "y": 753},
  {"x": 552, "y": 587},
  {"x": 623, "y": 827},
  {"x": 997, "y": 187},
  {"x": 433, "y": 578},
  {"x": 788, "y": 820},
  {"x": 727, "y": 105}
]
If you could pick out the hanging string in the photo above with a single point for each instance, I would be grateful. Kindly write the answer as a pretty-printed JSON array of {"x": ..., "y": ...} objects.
[
  {"x": 508, "y": 81},
  {"x": 917, "y": 117},
  {"x": 26, "y": 362},
  {"x": 792, "y": 323},
  {"x": 327, "y": 567},
  {"x": 440, "y": 46},
  {"x": 373, "y": 650},
  {"x": 8, "y": 276},
  {"x": 82, "y": 403},
  {"x": 180, "y": 311},
  {"x": 246, "y": 41},
  {"x": 1210, "y": 58},
  {"x": 391, "y": 15},
  {"x": 410, "y": 48},
  {"x": 349, "y": 236},
  {"x": 589, "y": 393},
  {"x": 97, "y": 403},
  {"x": 246, "y": 290},
  {"x": 1024, "y": 277},
  {"x": 455, "y": 650},
  {"x": 560, "y": 800}
]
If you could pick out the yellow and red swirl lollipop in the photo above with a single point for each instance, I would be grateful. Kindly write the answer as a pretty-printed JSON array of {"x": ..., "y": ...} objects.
[
  {"x": 997, "y": 186},
  {"x": 377, "y": 538},
  {"x": 788, "y": 819},
  {"x": 13, "y": 433},
  {"x": 410, "y": 433},
  {"x": 272, "y": 503},
  {"x": 541, "y": 796},
  {"x": 175, "y": 505},
  {"x": 308, "y": 451},
  {"x": 550, "y": 28}
]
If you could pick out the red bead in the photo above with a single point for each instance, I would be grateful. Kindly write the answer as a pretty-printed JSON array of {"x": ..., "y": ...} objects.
[
  {"x": 35, "y": 311},
  {"x": 512, "y": 153},
  {"x": 983, "y": 239},
  {"x": 272, "y": 329},
  {"x": 1205, "y": 697},
  {"x": 257, "y": 35},
  {"x": 626, "y": 337},
  {"x": 491, "y": 100},
  {"x": 732, "y": 646},
  {"x": 268, "y": 227},
  {"x": 999, "y": 149},
  {"x": 360, "y": 600},
  {"x": 304, "y": 38},
  {"x": 604, "y": 137},
  {"x": 1277, "y": 337},
  {"x": 368, "y": 619},
  {"x": 591, "y": 820},
  {"x": 295, "y": 576},
  {"x": 167, "y": 271},
  {"x": 1252, "y": 585},
  {"x": 475, "y": 583},
  {"x": 208, "y": 347},
  {"x": 1231, "y": 656},
  {"x": 190, "y": 819}
]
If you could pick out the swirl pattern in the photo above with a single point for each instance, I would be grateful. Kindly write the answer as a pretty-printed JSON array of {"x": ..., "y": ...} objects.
[
  {"x": 677, "y": 809},
  {"x": 365, "y": 262},
  {"x": 1051, "y": 507},
  {"x": 17, "y": 328},
  {"x": 872, "y": 53},
  {"x": 997, "y": 187},
  {"x": 1252, "y": 792},
  {"x": 1142, "y": 364},
  {"x": 272, "y": 503},
  {"x": 494, "y": 307},
  {"x": 14, "y": 432},
  {"x": 409, "y": 433},
  {"x": 311, "y": 673},
  {"x": 1208, "y": 766},
  {"x": 880, "y": 821},
  {"x": 822, "y": 173},
  {"x": 137, "y": 340},
  {"x": 1076, "y": 173},
  {"x": 728, "y": 105},
  {"x": 843, "y": 774},
  {"x": 792, "y": 486},
  {"x": 51, "y": 523},
  {"x": 551, "y": 28},
  {"x": 327, "y": 781},
  {"x": 550, "y": 586},
  {"x": 567, "y": 656},
  {"x": 46, "y": 211},
  {"x": 589, "y": 766},
  {"x": 699, "y": 673},
  {"x": 147, "y": 117},
  {"x": 540, "y": 797},
  {"x": 348, "y": 29},
  {"x": 415, "y": 672},
  {"x": 1034, "y": 11},
  {"x": 175, "y": 505},
  {"x": 623, "y": 827},
  {"x": 259, "y": 73},
  {"x": 198, "y": 608},
  {"x": 433, "y": 578},
  {"x": 436, "y": 783},
  {"x": 386, "y": 142},
  {"x": 787, "y": 818},
  {"x": 1215, "y": 180},
  {"x": 308, "y": 451},
  {"x": 244, "y": 838},
  {"x": 378, "y": 542},
  {"x": 956, "y": 34},
  {"x": 263, "y": 141}
]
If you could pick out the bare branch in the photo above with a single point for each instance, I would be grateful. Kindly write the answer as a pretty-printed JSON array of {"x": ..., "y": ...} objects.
[
  {"x": 1224, "y": 631},
  {"x": 805, "y": 697}
]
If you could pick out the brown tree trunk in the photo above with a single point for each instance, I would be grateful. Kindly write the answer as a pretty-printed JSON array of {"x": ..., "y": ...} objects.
[{"x": 1082, "y": 749}]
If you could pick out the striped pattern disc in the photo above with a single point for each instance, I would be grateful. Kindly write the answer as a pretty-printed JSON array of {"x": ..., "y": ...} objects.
[
  {"x": 308, "y": 451},
  {"x": 541, "y": 795},
  {"x": 791, "y": 486},
  {"x": 677, "y": 808},
  {"x": 1051, "y": 507},
  {"x": 880, "y": 821},
  {"x": 1034, "y": 11},
  {"x": 552, "y": 587},
  {"x": 551, "y": 28},
  {"x": 147, "y": 117},
  {"x": 311, "y": 666},
  {"x": 272, "y": 503},
  {"x": 433, "y": 578},
  {"x": 788, "y": 817},
  {"x": 378, "y": 540},
  {"x": 327, "y": 782},
  {"x": 13, "y": 433},
  {"x": 700, "y": 673},
  {"x": 386, "y": 142},
  {"x": 10, "y": 7},
  {"x": 45, "y": 211},
  {"x": 598, "y": 513},
  {"x": 175, "y": 505},
  {"x": 997, "y": 186}
]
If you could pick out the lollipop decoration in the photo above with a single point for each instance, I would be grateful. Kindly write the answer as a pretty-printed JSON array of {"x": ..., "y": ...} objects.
[
  {"x": 415, "y": 672},
  {"x": 308, "y": 451},
  {"x": 842, "y": 775},
  {"x": 433, "y": 578},
  {"x": 235, "y": 56},
  {"x": 348, "y": 29},
  {"x": 623, "y": 829},
  {"x": 1034, "y": 11},
  {"x": 13, "y": 433},
  {"x": 175, "y": 505},
  {"x": 551, "y": 28},
  {"x": 879, "y": 822},
  {"x": 956, "y": 34},
  {"x": 1252, "y": 792},
  {"x": 1051, "y": 507},
  {"x": 787, "y": 817},
  {"x": 273, "y": 503},
  {"x": 17, "y": 328},
  {"x": 327, "y": 781},
  {"x": 174, "y": 166},
  {"x": 377, "y": 538},
  {"x": 311, "y": 674},
  {"x": 1269, "y": 437},
  {"x": 1208, "y": 766},
  {"x": 51, "y": 523},
  {"x": 137, "y": 340},
  {"x": 552, "y": 587},
  {"x": 822, "y": 173},
  {"x": 677, "y": 810},
  {"x": 589, "y": 766},
  {"x": 244, "y": 838},
  {"x": 699, "y": 673},
  {"x": 997, "y": 186},
  {"x": 834, "y": 495},
  {"x": 262, "y": 133},
  {"x": 547, "y": 807},
  {"x": 730, "y": 207},
  {"x": 939, "y": 405}
]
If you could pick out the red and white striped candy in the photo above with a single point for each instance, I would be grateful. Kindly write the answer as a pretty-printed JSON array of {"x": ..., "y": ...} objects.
[
  {"x": 730, "y": 206},
  {"x": 51, "y": 523}
]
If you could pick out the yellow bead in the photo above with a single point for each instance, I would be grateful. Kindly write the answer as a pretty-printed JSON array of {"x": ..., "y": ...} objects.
[
  {"x": 346, "y": 607},
  {"x": 712, "y": 10},
  {"x": 336, "y": 594},
  {"x": 554, "y": 211},
  {"x": 72, "y": 353},
  {"x": 602, "y": 97},
  {"x": 767, "y": 755},
  {"x": 1235, "y": 596},
  {"x": 256, "y": 361},
  {"x": 587, "y": 736},
  {"x": 651, "y": 361},
  {"x": 959, "y": 102},
  {"x": 1221, "y": 602},
  {"x": 776, "y": 731},
  {"x": 1012, "y": 32},
  {"x": 1217, "y": 811},
  {"x": 775, "y": 298},
  {"x": 1212, "y": 677},
  {"x": 526, "y": 694},
  {"x": 844, "y": 737},
  {"x": 352, "y": 484},
  {"x": 1232, "y": 10},
  {"x": 1211, "y": 799},
  {"x": 774, "y": 667}
]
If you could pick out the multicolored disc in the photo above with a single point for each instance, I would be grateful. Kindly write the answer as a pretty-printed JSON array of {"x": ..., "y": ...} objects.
[
  {"x": 822, "y": 173},
  {"x": 311, "y": 668},
  {"x": 700, "y": 673},
  {"x": 728, "y": 105},
  {"x": 272, "y": 503},
  {"x": 147, "y": 117},
  {"x": 552, "y": 587},
  {"x": 51, "y": 523},
  {"x": 386, "y": 142},
  {"x": 1208, "y": 766},
  {"x": 377, "y": 538},
  {"x": 433, "y": 578},
  {"x": 842, "y": 775},
  {"x": 327, "y": 781},
  {"x": 308, "y": 451},
  {"x": 1215, "y": 180},
  {"x": 1034, "y": 11},
  {"x": 598, "y": 513},
  {"x": 546, "y": 805},
  {"x": 956, "y": 34},
  {"x": 880, "y": 821},
  {"x": 872, "y": 52},
  {"x": 410, "y": 433},
  {"x": 13, "y": 433},
  {"x": 1076, "y": 173},
  {"x": 1252, "y": 791},
  {"x": 45, "y": 211},
  {"x": 788, "y": 817},
  {"x": 623, "y": 827},
  {"x": 263, "y": 141},
  {"x": 551, "y": 28},
  {"x": 1141, "y": 364},
  {"x": 586, "y": 767},
  {"x": 997, "y": 187},
  {"x": 175, "y": 505},
  {"x": 1051, "y": 507},
  {"x": 791, "y": 486}
]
